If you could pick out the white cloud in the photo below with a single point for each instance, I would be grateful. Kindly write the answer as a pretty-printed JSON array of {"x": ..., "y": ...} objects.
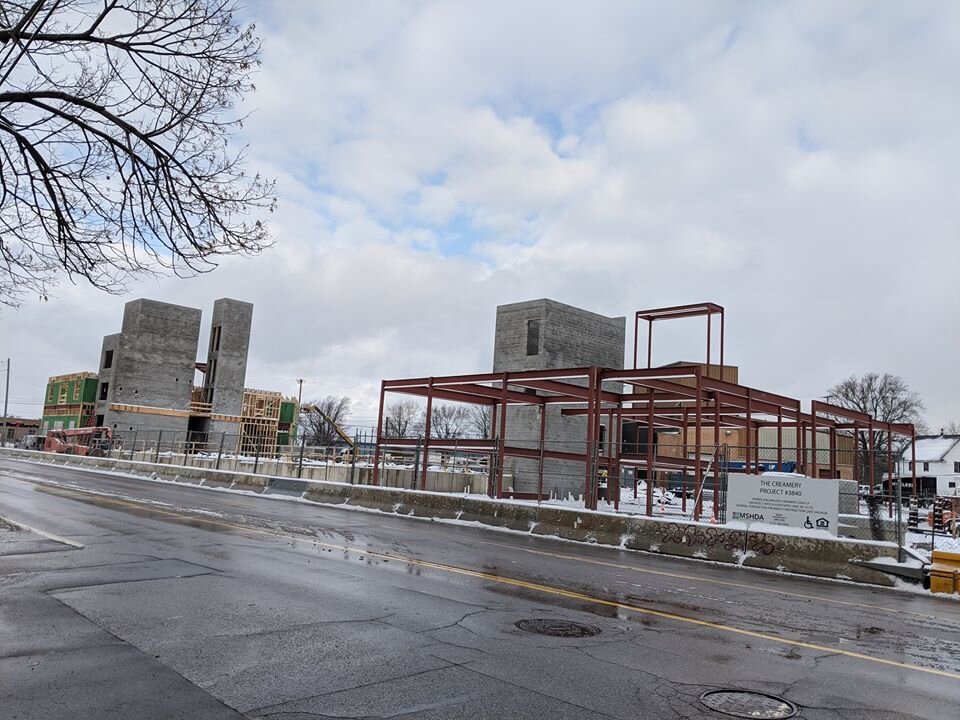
[{"x": 791, "y": 161}]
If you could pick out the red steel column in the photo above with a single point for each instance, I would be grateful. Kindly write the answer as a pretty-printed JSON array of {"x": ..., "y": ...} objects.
[
  {"x": 709, "y": 327},
  {"x": 503, "y": 435},
  {"x": 617, "y": 449},
  {"x": 870, "y": 450},
  {"x": 833, "y": 453},
  {"x": 856, "y": 456},
  {"x": 746, "y": 449},
  {"x": 697, "y": 468},
  {"x": 716, "y": 458},
  {"x": 649, "y": 506},
  {"x": 636, "y": 338},
  {"x": 376, "y": 447},
  {"x": 426, "y": 435},
  {"x": 683, "y": 469},
  {"x": 813, "y": 446},
  {"x": 779, "y": 440},
  {"x": 913, "y": 457},
  {"x": 543, "y": 437},
  {"x": 721, "y": 339},
  {"x": 649, "y": 344},
  {"x": 890, "y": 474},
  {"x": 588, "y": 452}
]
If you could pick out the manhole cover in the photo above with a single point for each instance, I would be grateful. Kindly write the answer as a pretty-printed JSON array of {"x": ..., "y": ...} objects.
[
  {"x": 557, "y": 628},
  {"x": 746, "y": 704}
]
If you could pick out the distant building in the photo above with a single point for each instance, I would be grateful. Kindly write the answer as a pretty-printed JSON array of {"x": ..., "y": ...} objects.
[
  {"x": 17, "y": 428},
  {"x": 146, "y": 384},
  {"x": 547, "y": 335},
  {"x": 69, "y": 401},
  {"x": 937, "y": 464}
]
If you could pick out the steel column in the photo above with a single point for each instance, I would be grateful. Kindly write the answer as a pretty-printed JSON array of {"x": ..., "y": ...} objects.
[
  {"x": 376, "y": 447},
  {"x": 649, "y": 470},
  {"x": 427, "y": 429},
  {"x": 697, "y": 468}
]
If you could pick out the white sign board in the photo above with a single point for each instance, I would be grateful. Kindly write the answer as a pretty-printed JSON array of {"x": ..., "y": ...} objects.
[{"x": 787, "y": 500}]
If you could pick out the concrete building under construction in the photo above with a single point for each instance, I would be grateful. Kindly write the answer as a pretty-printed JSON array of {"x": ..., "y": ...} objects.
[{"x": 147, "y": 371}]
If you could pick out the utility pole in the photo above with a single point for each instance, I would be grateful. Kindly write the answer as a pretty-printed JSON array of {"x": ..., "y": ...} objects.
[{"x": 6, "y": 397}]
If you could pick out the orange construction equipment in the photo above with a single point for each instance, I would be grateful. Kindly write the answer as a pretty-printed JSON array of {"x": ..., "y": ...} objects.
[{"x": 79, "y": 441}]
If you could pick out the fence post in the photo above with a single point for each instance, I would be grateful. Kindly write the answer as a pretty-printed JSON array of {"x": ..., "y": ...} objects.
[
  {"x": 186, "y": 448},
  {"x": 303, "y": 443},
  {"x": 223, "y": 436},
  {"x": 256, "y": 459},
  {"x": 133, "y": 445},
  {"x": 156, "y": 456}
]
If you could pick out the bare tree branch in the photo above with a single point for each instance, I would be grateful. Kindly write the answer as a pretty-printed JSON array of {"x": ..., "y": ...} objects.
[
  {"x": 114, "y": 142},
  {"x": 887, "y": 398}
]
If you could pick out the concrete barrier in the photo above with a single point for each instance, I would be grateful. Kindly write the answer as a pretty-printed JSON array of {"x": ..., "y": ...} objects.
[{"x": 819, "y": 557}]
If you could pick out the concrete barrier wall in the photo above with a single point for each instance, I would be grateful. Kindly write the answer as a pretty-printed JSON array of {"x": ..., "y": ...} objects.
[{"x": 827, "y": 558}]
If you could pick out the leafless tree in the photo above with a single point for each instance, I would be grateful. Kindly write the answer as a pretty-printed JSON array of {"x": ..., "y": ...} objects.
[
  {"x": 887, "y": 398},
  {"x": 480, "y": 420},
  {"x": 449, "y": 420},
  {"x": 401, "y": 419},
  {"x": 320, "y": 430},
  {"x": 952, "y": 428},
  {"x": 115, "y": 119}
]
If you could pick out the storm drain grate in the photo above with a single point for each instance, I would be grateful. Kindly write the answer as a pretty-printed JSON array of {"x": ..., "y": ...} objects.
[
  {"x": 557, "y": 628},
  {"x": 747, "y": 704}
]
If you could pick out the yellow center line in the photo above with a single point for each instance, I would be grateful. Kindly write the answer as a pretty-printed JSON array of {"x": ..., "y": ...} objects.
[
  {"x": 695, "y": 578},
  {"x": 536, "y": 587}
]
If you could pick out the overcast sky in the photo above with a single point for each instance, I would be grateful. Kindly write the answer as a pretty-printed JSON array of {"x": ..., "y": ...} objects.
[{"x": 798, "y": 163}]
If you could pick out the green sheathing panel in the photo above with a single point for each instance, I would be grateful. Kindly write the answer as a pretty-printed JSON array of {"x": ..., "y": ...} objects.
[
  {"x": 287, "y": 412},
  {"x": 89, "y": 391},
  {"x": 49, "y": 422},
  {"x": 75, "y": 392}
]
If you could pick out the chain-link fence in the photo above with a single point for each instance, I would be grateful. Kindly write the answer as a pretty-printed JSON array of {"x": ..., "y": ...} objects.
[{"x": 664, "y": 478}]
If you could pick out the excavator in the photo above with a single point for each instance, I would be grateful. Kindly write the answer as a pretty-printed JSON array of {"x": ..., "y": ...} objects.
[{"x": 348, "y": 455}]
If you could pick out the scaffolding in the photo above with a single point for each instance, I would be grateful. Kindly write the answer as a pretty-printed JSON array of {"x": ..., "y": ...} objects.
[{"x": 259, "y": 422}]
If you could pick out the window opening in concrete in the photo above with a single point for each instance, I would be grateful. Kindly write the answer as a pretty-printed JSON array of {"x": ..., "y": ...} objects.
[
  {"x": 103, "y": 390},
  {"x": 533, "y": 337},
  {"x": 956, "y": 467},
  {"x": 215, "y": 339},
  {"x": 99, "y": 421},
  {"x": 926, "y": 467},
  {"x": 108, "y": 359}
]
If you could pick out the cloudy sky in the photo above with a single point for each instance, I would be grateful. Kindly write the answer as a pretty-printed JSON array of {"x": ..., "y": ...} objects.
[{"x": 798, "y": 163}]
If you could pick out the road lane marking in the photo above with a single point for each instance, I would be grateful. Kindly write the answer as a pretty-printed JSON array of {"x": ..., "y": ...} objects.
[
  {"x": 698, "y": 579},
  {"x": 513, "y": 582},
  {"x": 44, "y": 533}
]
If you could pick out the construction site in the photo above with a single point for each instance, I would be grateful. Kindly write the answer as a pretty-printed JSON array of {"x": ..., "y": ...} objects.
[
  {"x": 150, "y": 383},
  {"x": 569, "y": 419}
]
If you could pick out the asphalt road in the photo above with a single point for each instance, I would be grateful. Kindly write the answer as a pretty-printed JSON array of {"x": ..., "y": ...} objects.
[{"x": 133, "y": 599}]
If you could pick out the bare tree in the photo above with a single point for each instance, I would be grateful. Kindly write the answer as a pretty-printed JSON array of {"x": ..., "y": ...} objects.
[
  {"x": 887, "y": 398},
  {"x": 480, "y": 420},
  {"x": 449, "y": 420},
  {"x": 402, "y": 418},
  {"x": 319, "y": 426},
  {"x": 115, "y": 119},
  {"x": 952, "y": 428}
]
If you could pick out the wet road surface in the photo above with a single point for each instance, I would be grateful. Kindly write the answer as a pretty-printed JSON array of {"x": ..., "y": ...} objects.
[{"x": 128, "y": 598}]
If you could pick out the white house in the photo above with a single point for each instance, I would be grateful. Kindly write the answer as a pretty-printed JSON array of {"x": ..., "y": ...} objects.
[{"x": 938, "y": 464}]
